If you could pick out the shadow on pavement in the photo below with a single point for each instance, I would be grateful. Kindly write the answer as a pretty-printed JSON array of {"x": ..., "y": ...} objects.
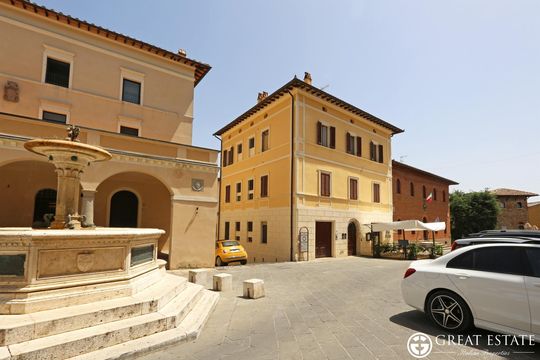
[{"x": 478, "y": 339}]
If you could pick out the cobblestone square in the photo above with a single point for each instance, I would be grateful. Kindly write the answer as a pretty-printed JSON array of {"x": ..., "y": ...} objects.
[{"x": 349, "y": 308}]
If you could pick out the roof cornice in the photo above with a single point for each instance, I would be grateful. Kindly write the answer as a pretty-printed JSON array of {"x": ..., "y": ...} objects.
[
  {"x": 299, "y": 84},
  {"x": 397, "y": 164}
]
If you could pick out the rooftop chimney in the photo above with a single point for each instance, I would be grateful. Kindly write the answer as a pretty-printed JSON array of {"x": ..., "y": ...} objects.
[
  {"x": 307, "y": 78},
  {"x": 261, "y": 96},
  {"x": 182, "y": 52}
]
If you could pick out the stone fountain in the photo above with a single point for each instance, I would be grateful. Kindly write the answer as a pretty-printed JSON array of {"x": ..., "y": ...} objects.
[{"x": 56, "y": 282}]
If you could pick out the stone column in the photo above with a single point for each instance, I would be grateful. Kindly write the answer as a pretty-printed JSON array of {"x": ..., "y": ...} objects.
[
  {"x": 67, "y": 197},
  {"x": 87, "y": 207}
]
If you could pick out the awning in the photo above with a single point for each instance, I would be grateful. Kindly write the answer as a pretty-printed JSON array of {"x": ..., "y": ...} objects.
[{"x": 408, "y": 225}]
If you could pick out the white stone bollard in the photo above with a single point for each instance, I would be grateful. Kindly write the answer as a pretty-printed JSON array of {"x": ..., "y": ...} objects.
[
  {"x": 253, "y": 288},
  {"x": 222, "y": 282},
  {"x": 198, "y": 276}
]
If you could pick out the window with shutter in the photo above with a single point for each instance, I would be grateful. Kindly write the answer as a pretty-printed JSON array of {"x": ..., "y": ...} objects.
[
  {"x": 231, "y": 156},
  {"x": 372, "y": 155},
  {"x": 238, "y": 191},
  {"x": 332, "y": 137},
  {"x": 319, "y": 133},
  {"x": 376, "y": 193},
  {"x": 227, "y": 193},
  {"x": 348, "y": 141},
  {"x": 358, "y": 146},
  {"x": 264, "y": 140},
  {"x": 381, "y": 155},
  {"x": 227, "y": 227},
  {"x": 325, "y": 184},
  {"x": 353, "y": 189},
  {"x": 264, "y": 186},
  {"x": 225, "y": 158}
]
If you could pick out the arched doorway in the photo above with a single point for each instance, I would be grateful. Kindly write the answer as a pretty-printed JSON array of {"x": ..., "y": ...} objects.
[
  {"x": 44, "y": 203},
  {"x": 124, "y": 209},
  {"x": 351, "y": 239}
]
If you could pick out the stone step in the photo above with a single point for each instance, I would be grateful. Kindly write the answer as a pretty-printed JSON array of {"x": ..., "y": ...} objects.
[
  {"x": 187, "y": 330},
  {"x": 20, "y": 328},
  {"x": 82, "y": 341}
]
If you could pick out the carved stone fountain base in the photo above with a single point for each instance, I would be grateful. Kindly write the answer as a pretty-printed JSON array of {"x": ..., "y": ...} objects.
[{"x": 47, "y": 269}]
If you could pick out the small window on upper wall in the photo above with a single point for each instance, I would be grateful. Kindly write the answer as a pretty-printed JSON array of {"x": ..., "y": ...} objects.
[
  {"x": 57, "y": 72},
  {"x": 129, "y": 130},
  {"x": 443, "y": 196},
  {"x": 228, "y": 193},
  {"x": 434, "y": 194},
  {"x": 326, "y": 135},
  {"x": 398, "y": 186},
  {"x": 376, "y": 152},
  {"x": 411, "y": 188},
  {"x": 131, "y": 91},
  {"x": 55, "y": 117},
  {"x": 239, "y": 150},
  {"x": 238, "y": 191},
  {"x": 264, "y": 232}
]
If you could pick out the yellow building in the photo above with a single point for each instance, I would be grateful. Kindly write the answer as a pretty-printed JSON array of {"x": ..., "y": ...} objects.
[
  {"x": 130, "y": 97},
  {"x": 340, "y": 159}
]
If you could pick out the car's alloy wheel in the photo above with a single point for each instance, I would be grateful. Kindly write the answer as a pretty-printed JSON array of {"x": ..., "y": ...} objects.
[{"x": 449, "y": 311}]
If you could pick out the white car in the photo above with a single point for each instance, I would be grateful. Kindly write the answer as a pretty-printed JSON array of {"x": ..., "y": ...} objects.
[{"x": 493, "y": 286}]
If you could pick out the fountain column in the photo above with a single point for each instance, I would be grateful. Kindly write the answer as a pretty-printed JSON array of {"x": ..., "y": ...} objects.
[
  {"x": 87, "y": 207},
  {"x": 69, "y": 169}
]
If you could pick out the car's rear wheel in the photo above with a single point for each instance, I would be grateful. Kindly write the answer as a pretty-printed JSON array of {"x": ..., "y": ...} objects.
[
  {"x": 243, "y": 262},
  {"x": 448, "y": 311},
  {"x": 220, "y": 262}
]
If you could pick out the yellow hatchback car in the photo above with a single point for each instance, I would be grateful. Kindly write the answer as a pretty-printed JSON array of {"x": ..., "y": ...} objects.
[{"x": 228, "y": 251}]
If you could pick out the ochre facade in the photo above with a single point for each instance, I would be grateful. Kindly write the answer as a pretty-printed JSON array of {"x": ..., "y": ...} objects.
[
  {"x": 156, "y": 177},
  {"x": 299, "y": 136}
]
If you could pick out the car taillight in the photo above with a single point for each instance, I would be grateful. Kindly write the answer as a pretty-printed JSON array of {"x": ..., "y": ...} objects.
[
  {"x": 409, "y": 272},
  {"x": 454, "y": 246}
]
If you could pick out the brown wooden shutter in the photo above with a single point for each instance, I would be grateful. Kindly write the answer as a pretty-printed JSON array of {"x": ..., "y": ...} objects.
[
  {"x": 371, "y": 150},
  {"x": 381, "y": 155},
  {"x": 231, "y": 155},
  {"x": 264, "y": 186},
  {"x": 348, "y": 143},
  {"x": 358, "y": 146},
  {"x": 332, "y": 137},
  {"x": 225, "y": 158},
  {"x": 319, "y": 131},
  {"x": 228, "y": 193}
]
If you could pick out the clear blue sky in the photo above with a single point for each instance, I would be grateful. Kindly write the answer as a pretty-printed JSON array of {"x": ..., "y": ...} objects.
[{"x": 462, "y": 77}]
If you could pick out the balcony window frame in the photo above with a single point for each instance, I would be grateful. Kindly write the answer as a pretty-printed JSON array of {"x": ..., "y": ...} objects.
[{"x": 133, "y": 76}]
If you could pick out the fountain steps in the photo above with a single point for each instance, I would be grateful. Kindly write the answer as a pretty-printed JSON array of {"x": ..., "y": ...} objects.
[{"x": 169, "y": 311}]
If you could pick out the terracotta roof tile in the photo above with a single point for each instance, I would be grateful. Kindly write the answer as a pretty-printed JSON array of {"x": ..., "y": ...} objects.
[{"x": 511, "y": 192}]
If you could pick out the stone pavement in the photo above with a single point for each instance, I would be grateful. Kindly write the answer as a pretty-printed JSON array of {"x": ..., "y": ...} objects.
[{"x": 348, "y": 308}]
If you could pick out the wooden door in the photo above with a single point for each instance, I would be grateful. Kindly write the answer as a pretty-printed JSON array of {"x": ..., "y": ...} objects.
[
  {"x": 351, "y": 239},
  {"x": 323, "y": 239}
]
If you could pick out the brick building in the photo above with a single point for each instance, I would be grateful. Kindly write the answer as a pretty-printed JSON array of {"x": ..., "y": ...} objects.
[
  {"x": 514, "y": 209},
  {"x": 411, "y": 191}
]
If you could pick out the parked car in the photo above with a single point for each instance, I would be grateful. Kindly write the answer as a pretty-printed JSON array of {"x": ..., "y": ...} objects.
[
  {"x": 488, "y": 240},
  {"x": 492, "y": 286},
  {"x": 506, "y": 233},
  {"x": 228, "y": 251}
]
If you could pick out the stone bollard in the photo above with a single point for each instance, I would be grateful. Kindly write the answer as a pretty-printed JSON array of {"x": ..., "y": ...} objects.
[
  {"x": 222, "y": 282},
  {"x": 253, "y": 288},
  {"x": 198, "y": 276}
]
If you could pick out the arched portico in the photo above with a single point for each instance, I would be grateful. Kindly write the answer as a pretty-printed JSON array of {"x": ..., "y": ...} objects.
[
  {"x": 20, "y": 182},
  {"x": 137, "y": 194}
]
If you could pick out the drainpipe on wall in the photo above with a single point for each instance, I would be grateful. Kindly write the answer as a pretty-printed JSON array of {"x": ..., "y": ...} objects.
[
  {"x": 292, "y": 174},
  {"x": 219, "y": 184}
]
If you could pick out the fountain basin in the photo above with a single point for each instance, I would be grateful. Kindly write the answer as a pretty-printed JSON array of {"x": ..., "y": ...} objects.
[
  {"x": 67, "y": 151},
  {"x": 47, "y": 269}
]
